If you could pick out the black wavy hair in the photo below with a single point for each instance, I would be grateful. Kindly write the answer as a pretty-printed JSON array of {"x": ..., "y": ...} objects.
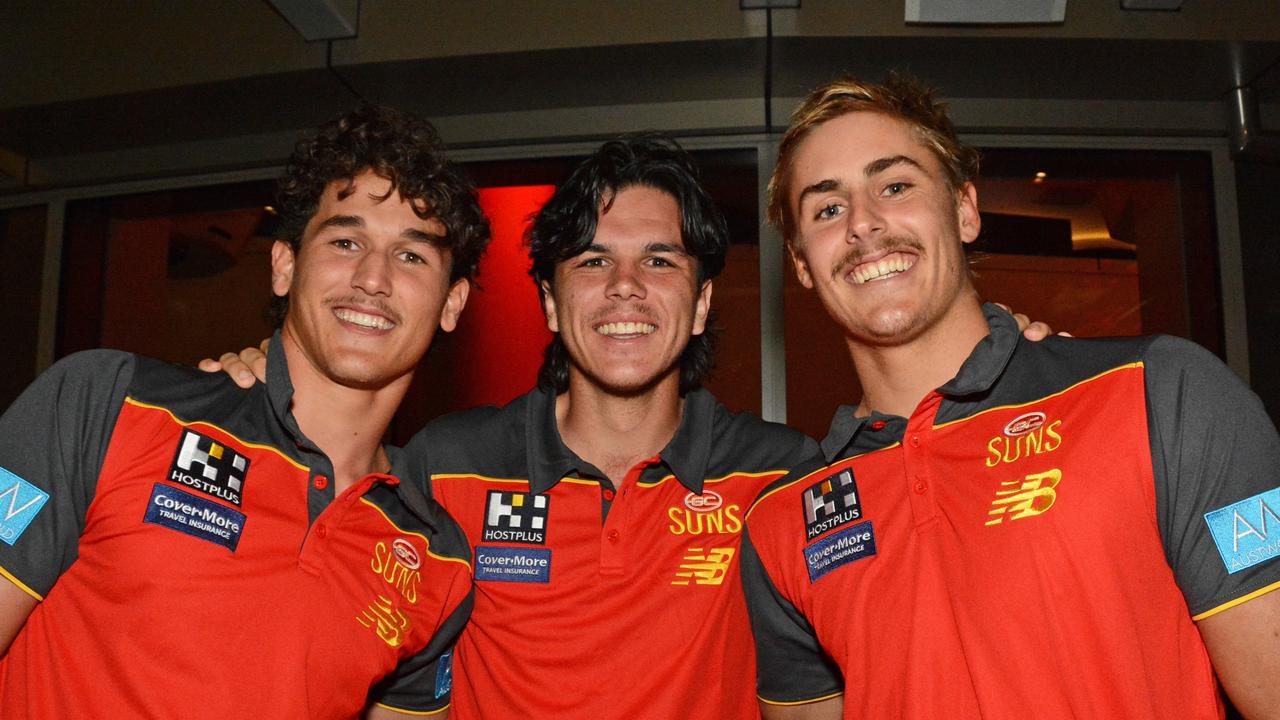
[
  {"x": 566, "y": 226},
  {"x": 400, "y": 147}
]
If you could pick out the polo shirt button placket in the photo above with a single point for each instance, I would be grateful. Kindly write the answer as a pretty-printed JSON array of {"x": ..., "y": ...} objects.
[{"x": 915, "y": 462}]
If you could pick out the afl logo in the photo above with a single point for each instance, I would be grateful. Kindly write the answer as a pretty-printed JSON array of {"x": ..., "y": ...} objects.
[
  {"x": 405, "y": 553},
  {"x": 706, "y": 502},
  {"x": 1024, "y": 424}
]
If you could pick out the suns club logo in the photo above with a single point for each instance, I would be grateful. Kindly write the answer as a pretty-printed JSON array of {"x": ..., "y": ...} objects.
[
  {"x": 406, "y": 554},
  {"x": 708, "y": 501},
  {"x": 1024, "y": 424}
]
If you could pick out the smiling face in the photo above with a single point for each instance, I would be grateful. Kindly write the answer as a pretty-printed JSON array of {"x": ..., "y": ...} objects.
[
  {"x": 626, "y": 307},
  {"x": 878, "y": 229},
  {"x": 368, "y": 286}
]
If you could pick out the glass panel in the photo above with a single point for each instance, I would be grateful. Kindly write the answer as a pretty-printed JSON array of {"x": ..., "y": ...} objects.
[
  {"x": 1093, "y": 242},
  {"x": 22, "y": 233}
]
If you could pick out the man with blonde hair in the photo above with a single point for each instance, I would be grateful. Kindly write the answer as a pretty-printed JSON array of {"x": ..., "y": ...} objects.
[{"x": 1072, "y": 528}]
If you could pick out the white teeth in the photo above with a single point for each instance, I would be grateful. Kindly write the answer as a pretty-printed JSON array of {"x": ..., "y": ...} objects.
[
  {"x": 626, "y": 328},
  {"x": 358, "y": 318},
  {"x": 883, "y": 268}
]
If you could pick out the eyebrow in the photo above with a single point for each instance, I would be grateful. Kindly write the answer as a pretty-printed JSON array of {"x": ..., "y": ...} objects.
[
  {"x": 660, "y": 247},
  {"x": 873, "y": 168},
  {"x": 355, "y": 221}
]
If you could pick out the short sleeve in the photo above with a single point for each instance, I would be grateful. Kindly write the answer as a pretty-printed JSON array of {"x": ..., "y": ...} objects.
[
  {"x": 791, "y": 667},
  {"x": 1216, "y": 460},
  {"x": 422, "y": 684},
  {"x": 53, "y": 439}
]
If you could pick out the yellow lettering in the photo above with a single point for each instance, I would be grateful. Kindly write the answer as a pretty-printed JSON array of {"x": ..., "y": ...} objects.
[
  {"x": 994, "y": 460},
  {"x": 1055, "y": 439},
  {"x": 677, "y": 526},
  {"x": 1033, "y": 442},
  {"x": 380, "y": 557},
  {"x": 734, "y": 523}
]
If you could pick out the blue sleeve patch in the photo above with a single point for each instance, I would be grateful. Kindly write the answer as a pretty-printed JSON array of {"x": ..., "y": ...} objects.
[
  {"x": 20, "y": 502},
  {"x": 444, "y": 675},
  {"x": 1242, "y": 530},
  {"x": 852, "y": 543}
]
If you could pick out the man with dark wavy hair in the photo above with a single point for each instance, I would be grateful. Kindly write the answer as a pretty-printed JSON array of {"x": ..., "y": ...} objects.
[
  {"x": 605, "y": 505},
  {"x": 174, "y": 546}
]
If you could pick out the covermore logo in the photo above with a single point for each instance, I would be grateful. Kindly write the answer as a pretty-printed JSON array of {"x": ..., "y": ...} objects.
[{"x": 20, "y": 502}]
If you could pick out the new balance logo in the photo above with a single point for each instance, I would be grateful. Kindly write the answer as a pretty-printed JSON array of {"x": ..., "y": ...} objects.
[
  {"x": 830, "y": 503},
  {"x": 704, "y": 567},
  {"x": 1025, "y": 498},
  {"x": 210, "y": 467},
  {"x": 516, "y": 517},
  {"x": 20, "y": 502}
]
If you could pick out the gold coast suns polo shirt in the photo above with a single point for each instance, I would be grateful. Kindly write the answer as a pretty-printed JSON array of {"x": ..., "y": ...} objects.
[
  {"x": 192, "y": 560},
  {"x": 598, "y": 603},
  {"x": 1035, "y": 540}
]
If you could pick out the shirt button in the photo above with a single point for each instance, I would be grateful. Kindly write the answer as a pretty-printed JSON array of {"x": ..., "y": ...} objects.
[
  {"x": 322, "y": 530},
  {"x": 915, "y": 441},
  {"x": 614, "y": 536},
  {"x": 921, "y": 486},
  {"x": 320, "y": 482},
  {"x": 878, "y": 425},
  {"x": 608, "y": 494}
]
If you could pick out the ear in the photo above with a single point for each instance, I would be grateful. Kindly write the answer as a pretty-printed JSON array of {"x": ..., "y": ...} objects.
[
  {"x": 702, "y": 308},
  {"x": 453, "y": 304},
  {"x": 549, "y": 306},
  {"x": 281, "y": 268},
  {"x": 967, "y": 213},
  {"x": 801, "y": 265}
]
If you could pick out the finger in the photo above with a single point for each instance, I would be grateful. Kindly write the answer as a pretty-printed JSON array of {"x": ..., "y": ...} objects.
[
  {"x": 209, "y": 365},
  {"x": 1037, "y": 331},
  {"x": 238, "y": 370}
]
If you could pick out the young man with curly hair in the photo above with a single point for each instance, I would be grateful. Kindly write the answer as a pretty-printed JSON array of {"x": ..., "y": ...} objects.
[
  {"x": 1000, "y": 529},
  {"x": 174, "y": 546}
]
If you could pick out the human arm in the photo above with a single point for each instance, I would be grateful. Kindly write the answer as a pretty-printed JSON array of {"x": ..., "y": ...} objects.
[
  {"x": 1244, "y": 645},
  {"x": 245, "y": 368},
  {"x": 829, "y": 709},
  {"x": 15, "y": 606}
]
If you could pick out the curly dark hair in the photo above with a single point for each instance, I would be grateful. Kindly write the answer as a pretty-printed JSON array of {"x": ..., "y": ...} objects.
[
  {"x": 399, "y": 146},
  {"x": 566, "y": 226}
]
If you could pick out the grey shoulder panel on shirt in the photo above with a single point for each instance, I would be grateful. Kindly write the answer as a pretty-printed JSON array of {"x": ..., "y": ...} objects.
[
  {"x": 1213, "y": 448},
  {"x": 54, "y": 437}
]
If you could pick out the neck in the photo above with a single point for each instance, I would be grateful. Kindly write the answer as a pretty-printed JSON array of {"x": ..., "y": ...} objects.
[
  {"x": 615, "y": 432},
  {"x": 895, "y": 378},
  {"x": 346, "y": 423}
]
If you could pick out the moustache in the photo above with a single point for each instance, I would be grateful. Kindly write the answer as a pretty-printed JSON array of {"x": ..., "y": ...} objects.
[
  {"x": 364, "y": 303},
  {"x": 859, "y": 254}
]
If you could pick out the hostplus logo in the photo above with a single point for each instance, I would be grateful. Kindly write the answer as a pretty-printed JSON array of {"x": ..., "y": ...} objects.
[
  {"x": 830, "y": 503},
  {"x": 516, "y": 517},
  {"x": 212, "y": 468}
]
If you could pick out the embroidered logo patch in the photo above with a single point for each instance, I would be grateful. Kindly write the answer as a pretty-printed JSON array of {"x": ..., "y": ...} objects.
[
  {"x": 515, "y": 517},
  {"x": 1242, "y": 531},
  {"x": 839, "y": 549},
  {"x": 388, "y": 622},
  {"x": 502, "y": 564},
  {"x": 704, "y": 566},
  {"x": 212, "y": 468},
  {"x": 444, "y": 675},
  {"x": 20, "y": 502},
  {"x": 1028, "y": 497},
  {"x": 180, "y": 510},
  {"x": 830, "y": 503}
]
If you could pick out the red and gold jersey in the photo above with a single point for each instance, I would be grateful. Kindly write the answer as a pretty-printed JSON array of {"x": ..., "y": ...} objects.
[
  {"x": 191, "y": 559},
  {"x": 1031, "y": 542},
  {"x": 594, "y": 603}
]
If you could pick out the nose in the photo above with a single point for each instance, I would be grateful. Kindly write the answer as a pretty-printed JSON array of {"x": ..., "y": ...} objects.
[
  {"x": 865, "y": 221},
  {"x": 372, "y": 274},
  {"x": 626, "y": 282}
]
